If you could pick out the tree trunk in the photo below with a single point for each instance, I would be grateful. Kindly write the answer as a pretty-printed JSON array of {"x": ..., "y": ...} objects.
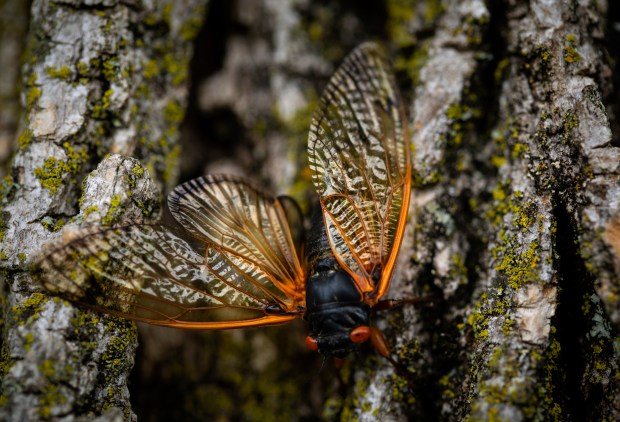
[
  {"x": 103, "y": 77},
  {"x": 512, "y": 230},
  {"x": 13, "y": 29}
]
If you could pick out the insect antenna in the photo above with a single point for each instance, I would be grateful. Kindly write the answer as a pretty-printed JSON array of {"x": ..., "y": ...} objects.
[{"x": 323, "y": 363}]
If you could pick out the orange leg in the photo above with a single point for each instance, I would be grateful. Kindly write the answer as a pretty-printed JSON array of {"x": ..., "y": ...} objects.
[
  {"x": 381, "y": 345},
  {"x": 379, "y": 342}
]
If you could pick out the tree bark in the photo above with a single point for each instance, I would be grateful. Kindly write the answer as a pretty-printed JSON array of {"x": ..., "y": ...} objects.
[
  {"x": 512, "y": 229},
  {"x": 517, "y": 182},
  {"x": 100, "y": 77},
  {"x": 13, "y": 29}
]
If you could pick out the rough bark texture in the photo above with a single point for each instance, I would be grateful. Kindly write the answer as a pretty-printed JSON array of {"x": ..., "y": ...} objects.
[
  {"x": 13, "y": 27},
  {"x": 99, "y": 77},
  {"x": 516, "y": 177}
]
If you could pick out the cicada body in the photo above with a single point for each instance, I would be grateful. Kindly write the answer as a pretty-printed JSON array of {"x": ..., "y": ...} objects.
[
  {"x": 334, "y": 305},
  {"x": 231, "y": 259}
]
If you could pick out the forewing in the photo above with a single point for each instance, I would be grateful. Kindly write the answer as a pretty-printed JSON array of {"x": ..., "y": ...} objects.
[
  {"x": 244, "y": 222},
  {"x": 360, "y": 164},
  {"x": 149, "y": 273}
]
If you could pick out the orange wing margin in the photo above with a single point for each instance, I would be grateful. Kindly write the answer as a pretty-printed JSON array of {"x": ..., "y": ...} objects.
[
  {"x": 242, "y": 221},
  {"x": 359, "y": 156},
  {"x": 175, "y": 277}
]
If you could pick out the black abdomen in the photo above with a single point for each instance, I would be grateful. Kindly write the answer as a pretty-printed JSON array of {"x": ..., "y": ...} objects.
[
  {"x": 328, "y": 282},
  {"x": 319, "y": 255},
  {"x": 334, "y": 306}
]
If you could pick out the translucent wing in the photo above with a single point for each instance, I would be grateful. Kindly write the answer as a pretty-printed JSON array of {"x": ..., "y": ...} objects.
[
  {"x": 149, "y": 273},
  {"x": 360, "y": 164},
  {"x": 230, "y": 263},
  {"x": 242, "y": 221},
  {"x": 295, "y": 219}
]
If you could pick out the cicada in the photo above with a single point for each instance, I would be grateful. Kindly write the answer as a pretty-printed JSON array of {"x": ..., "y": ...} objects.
[{"x": 233, "y": 257}]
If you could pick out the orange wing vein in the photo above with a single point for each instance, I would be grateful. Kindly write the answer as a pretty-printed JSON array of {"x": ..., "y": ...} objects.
[
  {"x": 216, "y": 270},
  {"x": 361, "y": 168}
]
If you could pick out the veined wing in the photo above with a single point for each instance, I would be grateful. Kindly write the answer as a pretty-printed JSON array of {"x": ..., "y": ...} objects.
[
  {"x": 149, "y": 273},
  {"x": 295, "y": 220},
  {"x": 361, "y": 168},
  {"x": 244, "y": 222}
]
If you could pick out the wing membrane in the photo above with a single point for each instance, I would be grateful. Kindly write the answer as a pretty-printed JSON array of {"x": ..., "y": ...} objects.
[
  {"x": 242, "y": 221},
  {"x": 152, "y": 274},
  {"x": 360, "y": 164},
  {"x": 295, "y": 220}
]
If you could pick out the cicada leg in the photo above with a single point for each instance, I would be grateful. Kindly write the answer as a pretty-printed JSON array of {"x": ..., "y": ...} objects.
[{"x": 386, "y": 304}]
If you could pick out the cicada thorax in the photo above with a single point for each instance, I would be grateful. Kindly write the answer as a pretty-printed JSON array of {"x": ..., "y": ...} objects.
[{"x": 335, "y": 308}]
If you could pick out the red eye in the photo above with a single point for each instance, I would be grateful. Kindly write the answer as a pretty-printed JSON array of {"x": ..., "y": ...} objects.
[
  {"x": 311, "y": 344},
  {"x": 360, "y": 334}
]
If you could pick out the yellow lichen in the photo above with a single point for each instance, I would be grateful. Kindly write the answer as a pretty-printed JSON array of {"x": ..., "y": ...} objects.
[{"x": 63, "y": 72}]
